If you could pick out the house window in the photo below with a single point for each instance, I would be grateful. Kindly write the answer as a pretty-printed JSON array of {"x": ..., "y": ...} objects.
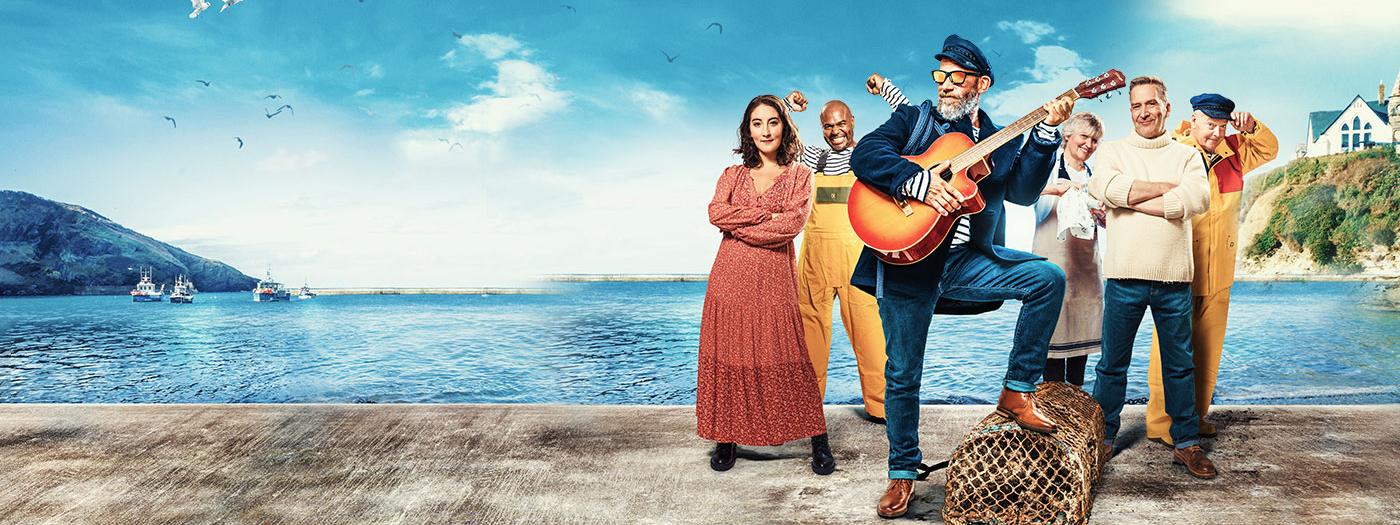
[
  {"x": 1356, "y": 123},
  {"x": 1367, "y": 140},
  {"x": 1356, "y": 141},
  {"x": 1346, "y": 142}
]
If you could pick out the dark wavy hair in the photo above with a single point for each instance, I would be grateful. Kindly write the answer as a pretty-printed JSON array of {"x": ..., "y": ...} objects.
[{"x": 789, "y": 147}]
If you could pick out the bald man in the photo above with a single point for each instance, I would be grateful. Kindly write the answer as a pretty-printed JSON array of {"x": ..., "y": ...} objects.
[{"x": 829, "y": 252}]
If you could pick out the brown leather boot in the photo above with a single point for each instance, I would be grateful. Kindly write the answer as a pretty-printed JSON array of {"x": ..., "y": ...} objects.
[
  {"x": 1207, "y": 430},
  {"x": 895, "y": 502},
  {"x": 1020, "y": 406},
  {"x": 1197, "y": 464}
]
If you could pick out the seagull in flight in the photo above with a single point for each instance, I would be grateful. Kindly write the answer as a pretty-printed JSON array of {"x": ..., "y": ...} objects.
[
  {"x": 669, "y": 59},
  {"x": 205, "y": 82},
  {"x": 172, "y": 121},
  {"x": 344, "y": 67},
  {"x": 454, "y": 145},
  {"x": 456, "y": 35},
  {"x": 272, "y": 97},
  {"x": 569, "y": 7},
  {"x": 240, "y": 142},
  {"x": 270, "y": 114},
  {"x": 228, "y": 4},
  {"x": 199, "y": 7},
  {"x": 715, "y": 24}
]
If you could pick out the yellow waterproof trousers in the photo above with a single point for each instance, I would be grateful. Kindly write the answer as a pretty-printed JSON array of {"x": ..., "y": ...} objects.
[
  {"x": 1208, "y": 316},
  {"x": 829, "y": 252}
]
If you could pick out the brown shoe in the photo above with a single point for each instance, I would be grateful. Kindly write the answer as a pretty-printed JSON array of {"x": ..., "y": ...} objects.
[
  {"x": 895, "y": 502},
  {"x": 1020, "y": 406},
  {"x": 1207, "y": 430},
  {"x": 1197, "y": 464}
]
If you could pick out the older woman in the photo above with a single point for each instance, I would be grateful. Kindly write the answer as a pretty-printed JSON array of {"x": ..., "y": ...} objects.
[
  {"x": 1078, "y": 333},
  {"x": 756, "y": 385}
]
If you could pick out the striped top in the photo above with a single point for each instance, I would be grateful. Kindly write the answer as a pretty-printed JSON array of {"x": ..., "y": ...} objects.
[{"x": 828, "y": 162}]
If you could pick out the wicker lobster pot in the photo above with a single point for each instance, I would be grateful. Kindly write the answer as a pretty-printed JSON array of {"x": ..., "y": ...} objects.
[{"x": 1002, "y": 474}]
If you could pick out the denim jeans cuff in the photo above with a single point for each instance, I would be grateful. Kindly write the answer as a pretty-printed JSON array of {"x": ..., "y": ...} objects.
[
  {"x": 1188, "y": 443},
  {"x": 1019, "y": 386},
  {"x": 903, "y": 474}
]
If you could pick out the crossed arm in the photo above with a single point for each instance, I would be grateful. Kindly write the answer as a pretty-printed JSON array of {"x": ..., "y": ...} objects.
[
  {"x": 1117, "y": 189},
  {"x": 756, "y": 225}
]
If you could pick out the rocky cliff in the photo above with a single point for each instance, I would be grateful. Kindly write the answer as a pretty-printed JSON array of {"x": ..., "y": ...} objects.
[{"x": 49, "y": 248}]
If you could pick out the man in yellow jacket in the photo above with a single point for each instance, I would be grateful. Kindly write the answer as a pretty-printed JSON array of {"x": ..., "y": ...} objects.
[{"x": 1214, "y": 240}]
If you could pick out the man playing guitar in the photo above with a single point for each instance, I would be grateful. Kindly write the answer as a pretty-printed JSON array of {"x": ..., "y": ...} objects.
[{"x": 971, "y": 271}]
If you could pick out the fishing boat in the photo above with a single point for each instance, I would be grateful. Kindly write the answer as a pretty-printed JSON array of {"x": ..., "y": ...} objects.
[
  {"x": 305, "y": 292},
  {"x": 145, "y": 291},
  {"x": 269, "y": 290},
  {"x": 183, "y": 291}
]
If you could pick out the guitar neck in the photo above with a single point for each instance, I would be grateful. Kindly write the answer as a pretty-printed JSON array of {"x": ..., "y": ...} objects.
[{"x": 986, "y": 146}]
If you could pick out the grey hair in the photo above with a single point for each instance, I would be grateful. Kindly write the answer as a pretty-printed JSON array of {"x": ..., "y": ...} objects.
[{"x": 1082, "y": 121}]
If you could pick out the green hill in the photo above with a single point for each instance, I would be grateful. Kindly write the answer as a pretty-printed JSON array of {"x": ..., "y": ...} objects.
[
  {"x": 1335, "y": 208},
  {"x": 49, "y": 248}
]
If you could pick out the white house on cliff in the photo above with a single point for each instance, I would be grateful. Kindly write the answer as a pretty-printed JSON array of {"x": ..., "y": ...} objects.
[{"x": 1361, "y": 124}]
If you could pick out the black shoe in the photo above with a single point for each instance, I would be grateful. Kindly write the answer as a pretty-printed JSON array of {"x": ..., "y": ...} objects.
[
  {"x": 823, "y": 462},
  {"x": 723, "y": 457}
]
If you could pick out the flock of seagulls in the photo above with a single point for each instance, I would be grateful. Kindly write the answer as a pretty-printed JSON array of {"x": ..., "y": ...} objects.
[
  {"x": 266, "y": 112},
  {"x": 672, "y": 59},
  {"x": 201, "y": 5}
]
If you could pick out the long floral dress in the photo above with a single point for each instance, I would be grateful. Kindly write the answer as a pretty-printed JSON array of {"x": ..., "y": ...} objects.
[{"x": 756, "y": 385}]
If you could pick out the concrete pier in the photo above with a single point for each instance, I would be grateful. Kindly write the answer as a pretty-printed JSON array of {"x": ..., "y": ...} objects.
[{"x": 609, "y": 464}]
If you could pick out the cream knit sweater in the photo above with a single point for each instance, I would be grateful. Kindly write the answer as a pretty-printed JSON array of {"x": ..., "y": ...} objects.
[{"x": 1140, "y": 245}]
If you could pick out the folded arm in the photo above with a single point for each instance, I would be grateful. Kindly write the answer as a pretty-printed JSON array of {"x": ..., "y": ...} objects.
[
  {"x": 785, "y": 224},
  {"x": 726, "y": 216}
]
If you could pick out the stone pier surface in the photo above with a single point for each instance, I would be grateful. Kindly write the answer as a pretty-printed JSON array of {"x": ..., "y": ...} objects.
[{"x": 624, "y": 464}]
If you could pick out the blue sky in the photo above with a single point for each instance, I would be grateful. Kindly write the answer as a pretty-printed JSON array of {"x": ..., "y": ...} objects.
[{"x": 583, "y": 149}]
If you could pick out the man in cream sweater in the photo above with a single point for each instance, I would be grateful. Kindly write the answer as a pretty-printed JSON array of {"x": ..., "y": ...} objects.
[{"x": 1152, "y": 186}]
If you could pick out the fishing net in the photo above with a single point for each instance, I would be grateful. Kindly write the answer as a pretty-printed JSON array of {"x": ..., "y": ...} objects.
[{"x": 1002, "y": 474}]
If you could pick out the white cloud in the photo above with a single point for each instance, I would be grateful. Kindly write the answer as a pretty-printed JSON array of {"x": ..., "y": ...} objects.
[
  {"x": 522, "y": 93},
  {"x": 1360, "y": 18},
  {"x": 494, "y": 46},
  {"x": 284, "y": 160},
  {"x": 658, "y": 104},
  {"x": 376, "y": 71},
  {"x": 364, "y": 92},
  {"x": 1056, "y": 70},
  {"x": 1030, "y": 31}
]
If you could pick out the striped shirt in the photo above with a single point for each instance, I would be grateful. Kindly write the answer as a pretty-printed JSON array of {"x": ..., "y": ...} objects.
[{"x": 828, "y": 162}]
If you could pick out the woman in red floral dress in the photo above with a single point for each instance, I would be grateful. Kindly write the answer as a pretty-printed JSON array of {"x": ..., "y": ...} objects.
[{"x": 756, "y": 386}]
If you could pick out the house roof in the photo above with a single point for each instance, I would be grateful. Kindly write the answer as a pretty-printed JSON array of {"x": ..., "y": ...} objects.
[{"x": 1322, "y": 120}]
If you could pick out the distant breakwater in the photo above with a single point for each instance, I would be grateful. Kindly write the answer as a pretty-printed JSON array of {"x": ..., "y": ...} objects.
[
  {"x": 433, "y": 291},
  {"x": 626, "y": 278}
]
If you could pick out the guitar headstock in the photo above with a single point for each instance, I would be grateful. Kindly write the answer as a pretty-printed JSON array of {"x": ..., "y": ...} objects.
[{"x": 1110, "y": 80}]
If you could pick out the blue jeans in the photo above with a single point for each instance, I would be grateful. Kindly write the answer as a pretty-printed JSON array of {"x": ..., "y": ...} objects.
[
  {"x": 968, "y": 275},
  {"x": 1123, "y": 303}
]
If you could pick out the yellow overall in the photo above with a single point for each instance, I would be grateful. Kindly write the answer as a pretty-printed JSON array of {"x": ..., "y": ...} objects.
[
  {"x": 1214, "y": 244},
  {"x": 829, "y": 252}
]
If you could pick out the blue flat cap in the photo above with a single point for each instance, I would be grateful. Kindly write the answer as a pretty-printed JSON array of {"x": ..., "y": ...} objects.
[
  {"x": 1213, "y": 105},
  {"x": 966, "y": 54}
]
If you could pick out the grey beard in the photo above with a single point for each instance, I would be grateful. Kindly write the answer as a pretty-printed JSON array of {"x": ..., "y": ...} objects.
[{"x": 960, "y": 108}]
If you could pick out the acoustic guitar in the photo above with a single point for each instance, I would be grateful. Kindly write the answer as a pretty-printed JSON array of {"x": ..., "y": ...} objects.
[{"x": 904, "y": 231}]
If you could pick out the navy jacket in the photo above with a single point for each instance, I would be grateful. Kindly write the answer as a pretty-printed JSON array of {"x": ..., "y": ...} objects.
[{"x": 1019, "y": 173}]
